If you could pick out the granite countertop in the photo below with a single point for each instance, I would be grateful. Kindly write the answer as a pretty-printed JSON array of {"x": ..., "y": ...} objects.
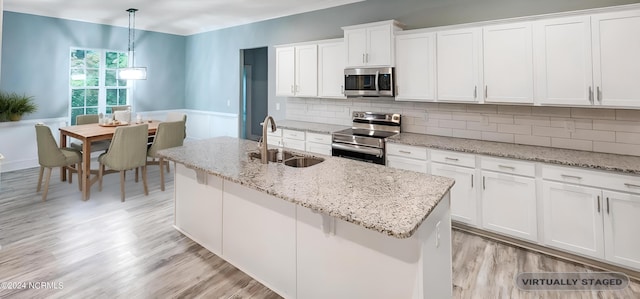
[
  {"x": 602, "y": 161},
  {"x": 309, "y": 126},
  {"x": 391, "y": 201}
]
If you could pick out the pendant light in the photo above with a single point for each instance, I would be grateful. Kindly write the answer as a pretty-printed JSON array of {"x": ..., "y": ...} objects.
[{"x": 132, "y": 72}]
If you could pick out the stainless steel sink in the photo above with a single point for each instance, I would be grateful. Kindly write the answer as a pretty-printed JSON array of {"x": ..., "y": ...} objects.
[{"x": 288, "y": 158}]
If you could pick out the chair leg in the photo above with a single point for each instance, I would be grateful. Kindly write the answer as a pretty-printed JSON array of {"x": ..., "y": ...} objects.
[
  {"x": 137, "y": 168},
  {"x": 161, "y": 174},
  {"x": 122, "y": 185},
  {"x": 144, "y": 179},
  {"x": 70, "y": 174},
  {"x": 79, "y": 171},
  {"x": 46, "y": 184},
  {"x": 40, "y": 178},
  {"x": 168, "y": 170},
  {"x": 100, "y": 171}
]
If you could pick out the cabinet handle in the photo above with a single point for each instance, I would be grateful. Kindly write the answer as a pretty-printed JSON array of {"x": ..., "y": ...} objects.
[
  {"x": 507, "y": 167},
  {"x": 486, "y": 91},
  {"x": 484, "y": 184},
  {"x": 342, "y": 89},
  {"x": 590, "y": 94},
  {"x": 475, "y": 92},
  {"x": 451, "y": 159},
  {"x": 367, "y": 60},
  {"x": 598, "y": 204},
  {"x": 406, "y": 152},
  {"x": 607, "y": 205},
  {"x": 292, "y": 89},
  {"x": 599, "y": 94},
  {"x": 362, "y": 57},
  {"x": 631, "y": 185},
  {"x": 472, "y": 181},
  {"x": 566, "y": 176}
]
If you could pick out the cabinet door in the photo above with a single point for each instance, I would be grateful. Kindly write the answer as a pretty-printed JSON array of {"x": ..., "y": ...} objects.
[
  {"x": 408, "y": 164},
  {"x": 563, "y": 68},
  {"x": 508, "y": 63},
  {"x": 306, "y": 71},
  {"x": 285, "y": 71},
  {"x": 616, "y": 58},
  {"x": 573, "y": 218},
  {"x": 463, "y": 194},
  {"x": 459, "y": 68},
  {"x": 331, "y": 70},
  {"x": 356, "y": 46},
  {"x": 621, "y": 223},
  {"x": 379, "y": 46},
  {"x": 509, "y": 205},
  {"x": 416, "y": 67}
]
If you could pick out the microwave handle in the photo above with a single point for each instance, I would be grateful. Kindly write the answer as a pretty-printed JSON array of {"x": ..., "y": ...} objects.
[{"x": 377, "y": 83}]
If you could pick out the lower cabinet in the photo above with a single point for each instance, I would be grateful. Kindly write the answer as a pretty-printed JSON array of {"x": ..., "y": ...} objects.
[
  {"x": 318, "y": 143},
  {"x": 293, "y": 139},
  {"x": 198, "y": 210},
  {"x": 621, "y": 223},
  {"x": 407, "y": 157},
  {"x": 508, "y": 200},
  {"x": 464, "y": 206}
]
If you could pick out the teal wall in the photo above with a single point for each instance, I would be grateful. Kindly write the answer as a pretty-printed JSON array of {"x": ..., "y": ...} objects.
[{"x": 35, "y": 61}]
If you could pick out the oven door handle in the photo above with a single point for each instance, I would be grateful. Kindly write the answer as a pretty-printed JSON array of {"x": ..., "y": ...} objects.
[
  {"x": 358, "y": 149},
  {"x": 377, "y": 83}
]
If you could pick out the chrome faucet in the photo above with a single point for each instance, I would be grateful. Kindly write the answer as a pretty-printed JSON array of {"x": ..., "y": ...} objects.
[{"x": 264, "y": 151}]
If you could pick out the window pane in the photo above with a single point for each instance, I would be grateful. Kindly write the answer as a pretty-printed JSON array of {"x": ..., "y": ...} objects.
[
  {"x": 92, "y": 59},
  {"x": 92, "y": 97},
  {"x": 77, "y": 58},
  {"x": 77, "y": 98},
  {"x": 92, "y": 111},
  {"x": 112, "y": 60},
  {"x": 123, "y": 60},
  {"x": 92, "y": 77},
  {"x": 75, "y": 112},
  {"x": 108, "y": 110},
  {"x": 110, "y": 78},
  {"x": 122, "y": 99},
  {"x": 77, "y": 77},
  {"x": 112, "y": 97},
  {"x": 122, "y": 83}
]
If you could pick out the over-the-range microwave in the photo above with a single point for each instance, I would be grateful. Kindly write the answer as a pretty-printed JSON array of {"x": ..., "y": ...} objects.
[{"x": 369, "y": 82}]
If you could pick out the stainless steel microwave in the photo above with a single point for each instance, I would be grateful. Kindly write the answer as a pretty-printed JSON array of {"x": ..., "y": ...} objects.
[{"x": 369, "y": 82}]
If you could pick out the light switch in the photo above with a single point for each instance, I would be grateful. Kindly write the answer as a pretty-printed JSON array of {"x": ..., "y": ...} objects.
[{"x": 277, "y": 106}]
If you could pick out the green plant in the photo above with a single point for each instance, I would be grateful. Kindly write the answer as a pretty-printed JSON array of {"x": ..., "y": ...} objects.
[{"x": 13, "y": 106}]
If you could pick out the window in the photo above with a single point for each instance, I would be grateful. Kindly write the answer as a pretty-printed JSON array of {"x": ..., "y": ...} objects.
[{"x": 94, "y": 87}]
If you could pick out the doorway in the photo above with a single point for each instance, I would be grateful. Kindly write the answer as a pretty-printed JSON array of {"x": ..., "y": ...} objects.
[{"x": 254, "y": 92}]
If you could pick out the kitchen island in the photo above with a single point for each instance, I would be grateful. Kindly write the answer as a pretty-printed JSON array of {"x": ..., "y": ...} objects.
[{"x": 338, "y": 229}]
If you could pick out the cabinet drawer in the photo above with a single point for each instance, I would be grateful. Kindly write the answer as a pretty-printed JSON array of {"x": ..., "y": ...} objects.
[
  {"x": 407, "y": 151},
  {"x": 508, "y": 166},
  {"x": 319, "y": 138},
  {"x": 277, "y": 133},
  {"x": 323, "y": 149},
  {"x": 407, "y": 164},
  {"x": 293, "y": 134},
  {"x": 453, "y": 158},
  {"x": 274, "y": 140},
  {"x": 626, "y": 183},
  {"x": 293, "y": 144}
]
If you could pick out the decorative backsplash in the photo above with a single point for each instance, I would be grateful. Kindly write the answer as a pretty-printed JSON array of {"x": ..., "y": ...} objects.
[{"x": 590, "y": 129}]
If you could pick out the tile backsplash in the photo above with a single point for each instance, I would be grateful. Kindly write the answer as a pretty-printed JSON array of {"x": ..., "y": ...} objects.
[{"x": 590, "y": 129}]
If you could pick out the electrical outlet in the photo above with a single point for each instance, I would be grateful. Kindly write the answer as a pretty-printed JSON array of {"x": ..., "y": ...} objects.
[
  {"x": 570, "y": 126},
  {"x": 228, "y": 103},
  {"x": 277, "y": 106}
]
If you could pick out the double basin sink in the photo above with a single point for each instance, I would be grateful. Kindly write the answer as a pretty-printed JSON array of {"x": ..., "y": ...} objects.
[{"x": 288, "y": 158}]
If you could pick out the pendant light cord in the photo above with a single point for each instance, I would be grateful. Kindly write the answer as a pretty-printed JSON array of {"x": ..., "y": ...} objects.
[{"x": 132, "y": 34}]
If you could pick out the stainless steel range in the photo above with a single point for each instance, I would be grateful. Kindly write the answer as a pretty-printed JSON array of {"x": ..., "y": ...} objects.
[{"x": 365, "y": 141}]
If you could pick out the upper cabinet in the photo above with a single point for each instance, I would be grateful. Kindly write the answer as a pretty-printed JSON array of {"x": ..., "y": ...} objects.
[
  {"x": 331, "y": 64},
  {"x": 370, "y": 44},
  {"x": 459, "y": 65},
  {"x": 416, "y": 67},
  {"x": 297, "y": 71},
  {"x": 508, "y": 63}
]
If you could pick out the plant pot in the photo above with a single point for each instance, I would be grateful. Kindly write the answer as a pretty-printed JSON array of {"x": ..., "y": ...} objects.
[{"x": 15, "y": 117}]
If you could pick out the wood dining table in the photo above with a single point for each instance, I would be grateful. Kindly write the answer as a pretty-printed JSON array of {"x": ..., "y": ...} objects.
[{"x": 89, "y": 133}]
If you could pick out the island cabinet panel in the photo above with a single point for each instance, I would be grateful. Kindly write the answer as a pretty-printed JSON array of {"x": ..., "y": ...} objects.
[
  {"x": 337, "y": 259},
  {"x": 621, "y": 223},
  {"x": 259, "y": 233},
  {"x": 198, "y": 210}
]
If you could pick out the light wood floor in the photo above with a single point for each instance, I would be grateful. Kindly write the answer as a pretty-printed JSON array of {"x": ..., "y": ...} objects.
[{"x": 107, "y": 249}]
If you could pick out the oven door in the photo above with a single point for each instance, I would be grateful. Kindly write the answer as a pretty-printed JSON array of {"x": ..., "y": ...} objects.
[
  {"x": 369, "y": 82},
  {"x": 358, "y": 152}
]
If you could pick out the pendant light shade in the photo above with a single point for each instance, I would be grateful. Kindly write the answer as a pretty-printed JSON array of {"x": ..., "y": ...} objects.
[{"x": 132, "y": 72}]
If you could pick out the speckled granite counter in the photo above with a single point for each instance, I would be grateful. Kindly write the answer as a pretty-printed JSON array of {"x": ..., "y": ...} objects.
[
  {"x": 602, "y": 161},
  {"x": 391, "y": 201},
  {"x": 309, "y": 126}
]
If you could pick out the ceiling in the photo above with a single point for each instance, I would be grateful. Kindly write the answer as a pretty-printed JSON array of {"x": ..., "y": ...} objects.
[{"x": 182, "y": 17}]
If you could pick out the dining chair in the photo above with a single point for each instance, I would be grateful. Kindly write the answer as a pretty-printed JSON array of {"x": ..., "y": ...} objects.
[
  {"x": 96, "y": 146},
  {"x": 50, "y": 155},
  {"x": 174, "y": 116},
  {"x": 169, "y": 134},
  {"x": 128, "y": 150},
  {"x": 120, "y": 108}
]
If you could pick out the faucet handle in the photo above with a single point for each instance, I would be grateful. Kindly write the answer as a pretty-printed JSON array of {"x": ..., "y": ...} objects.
[{"x": 260, "y": 142}]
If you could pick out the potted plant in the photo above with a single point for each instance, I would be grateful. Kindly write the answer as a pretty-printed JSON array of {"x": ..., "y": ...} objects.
[{"x": 13, "y": 105}]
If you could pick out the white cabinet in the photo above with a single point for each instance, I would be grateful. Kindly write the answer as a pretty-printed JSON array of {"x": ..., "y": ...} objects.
[
  {"x": 198, "y": 210},
  {"x": 464, "y": 199},
  {"x": 274, "y": 138},
  {"x": 370, "y": 44},
  {"x": 509, "y": 198},
  {"x": 407, "y": 157},
  {"x": 318, "y": 143},
  {"x": 293, "y": 139},
  {"x": 573, "y": 218},
  {"x": 508, "y": 63},
  {"x": 416, "y": 67},
  {"x": 260, "y": 236},
  {"x": 562, "y": 56},
  {"x": 616, "y": 58},
  {"x": 297, "y": 71},
  {"x": 621, "y": 223},
  {"x": 331, "y": 63},
  {"x": 459, "y": 65}
]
